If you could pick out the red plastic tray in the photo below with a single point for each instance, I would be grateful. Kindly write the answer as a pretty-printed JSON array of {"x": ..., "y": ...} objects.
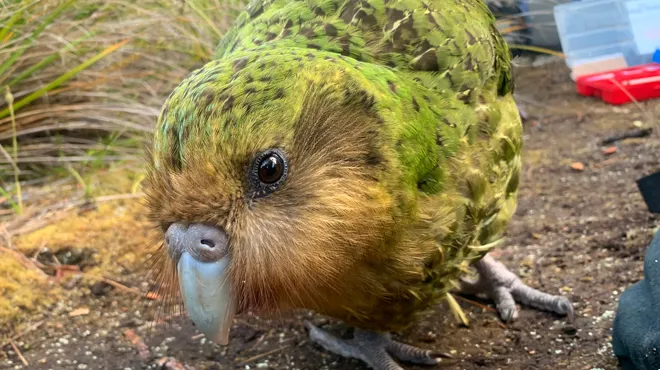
[{"x": 641, "y": 82}]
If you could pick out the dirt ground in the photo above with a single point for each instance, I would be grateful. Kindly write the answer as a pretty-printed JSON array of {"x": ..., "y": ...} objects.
[{"x": 582, "y": 233}]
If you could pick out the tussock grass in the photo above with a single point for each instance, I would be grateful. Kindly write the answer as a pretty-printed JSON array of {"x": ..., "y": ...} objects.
[{"x": 83, "y": 81}]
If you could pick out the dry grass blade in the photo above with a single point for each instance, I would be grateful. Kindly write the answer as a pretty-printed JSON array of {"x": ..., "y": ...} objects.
[
  {"x": 482, "y": 306},
  {"x": 6, "y": 32},
  {"x": 115, "y": 284},
  {"x": 18, "y": 353},
  {"x": 538, "y": 49},
  {"x": 28, "y": 41},
  {"x": 10, "y": 103},
  {"x": 63, "y": 78},
  {"x": 262, "y": 355},
  {"x": 456, "y": 309},
  {"x": 82, "y": 93},
  {"x": 29, "y": 329},
  {"x": 193, "y": 4},
  {"x": 649, "y": 116},
  {"x": 46, "y": 61}
]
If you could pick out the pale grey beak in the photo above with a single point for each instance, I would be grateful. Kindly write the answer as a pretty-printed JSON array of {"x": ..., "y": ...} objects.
[{"x": 201, "y": 254}]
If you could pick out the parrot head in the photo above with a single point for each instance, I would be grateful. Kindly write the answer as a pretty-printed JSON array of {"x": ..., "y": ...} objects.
[{"x": 267, "y": 178}]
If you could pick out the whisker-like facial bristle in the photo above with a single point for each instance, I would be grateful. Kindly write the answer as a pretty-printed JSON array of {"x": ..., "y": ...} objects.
[{"x": 162, "y": 277}]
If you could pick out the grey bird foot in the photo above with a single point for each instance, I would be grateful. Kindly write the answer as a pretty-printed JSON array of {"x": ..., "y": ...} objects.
[
  {"x": 505, "y": 289},
  {"x": 376, "y": 349}
]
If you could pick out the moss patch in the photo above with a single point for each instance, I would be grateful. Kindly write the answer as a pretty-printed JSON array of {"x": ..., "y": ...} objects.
[
  {"x": 114, "y": 241},
  {"x": 22, "y": 291}
]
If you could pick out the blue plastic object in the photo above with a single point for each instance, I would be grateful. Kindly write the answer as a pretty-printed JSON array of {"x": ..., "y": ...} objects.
[
  {"x": 656, "y": 56},
  {"x": 597, "y": 29}
]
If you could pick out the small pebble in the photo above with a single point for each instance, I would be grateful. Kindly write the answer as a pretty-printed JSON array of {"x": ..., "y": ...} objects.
[{"x": 100, "y": 288}]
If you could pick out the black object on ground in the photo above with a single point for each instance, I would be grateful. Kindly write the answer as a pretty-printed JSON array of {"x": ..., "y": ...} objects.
[
  {"x": 636, "y": 332},
  {"x": 649, "y": 186},
  {"x": 636, "y": 133}
]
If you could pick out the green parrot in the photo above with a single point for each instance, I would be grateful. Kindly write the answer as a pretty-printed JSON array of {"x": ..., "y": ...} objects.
[{"x": 356, "y": 158}]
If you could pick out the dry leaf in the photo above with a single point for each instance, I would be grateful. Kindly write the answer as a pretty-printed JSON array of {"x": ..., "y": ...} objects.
[
  {"x": 82, "y": 311},
  {"x": 609, "y": 150},
  {"x": 136, "y": 340},
  {"x": 578, "y": 166}
]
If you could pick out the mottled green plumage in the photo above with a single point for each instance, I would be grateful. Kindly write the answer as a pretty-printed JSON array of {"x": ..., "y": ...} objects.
[{"x": 407, "y": 104}]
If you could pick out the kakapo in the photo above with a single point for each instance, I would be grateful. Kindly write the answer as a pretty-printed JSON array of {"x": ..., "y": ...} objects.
[{"x": 355, "y": 158}]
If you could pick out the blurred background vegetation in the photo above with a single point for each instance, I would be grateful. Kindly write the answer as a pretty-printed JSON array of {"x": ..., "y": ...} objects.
[{"x": 81, "y": 84}]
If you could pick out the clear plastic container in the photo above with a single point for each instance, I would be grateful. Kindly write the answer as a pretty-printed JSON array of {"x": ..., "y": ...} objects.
[{"x": 595, "y": 29}]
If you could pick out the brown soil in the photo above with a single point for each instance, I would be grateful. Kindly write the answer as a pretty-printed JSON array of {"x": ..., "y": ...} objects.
[{"x": 583, "y": 233}]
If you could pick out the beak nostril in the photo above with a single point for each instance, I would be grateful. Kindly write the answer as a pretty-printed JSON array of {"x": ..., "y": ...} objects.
[
  {"x": 208, "y": 243},
  {"x": 205, "y": 243}
]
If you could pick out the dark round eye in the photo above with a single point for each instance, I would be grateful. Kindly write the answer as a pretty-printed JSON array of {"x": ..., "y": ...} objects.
[
  {"x": 271, "y": 169},
  {"x": 268, "y": 172}
]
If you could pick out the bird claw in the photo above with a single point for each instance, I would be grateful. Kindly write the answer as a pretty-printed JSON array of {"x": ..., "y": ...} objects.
[
  {"x": 375, "y": 349},
  {"x": 505, "y": 289}
]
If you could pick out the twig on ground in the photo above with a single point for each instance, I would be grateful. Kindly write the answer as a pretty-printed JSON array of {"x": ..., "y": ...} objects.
[
  {"x": 56, "y": 260},
  {"x": 499, "y": 323},
  {"x": 37, "y": 253},
  {"x": 262, "y": 355},
  {"x": 28, "y": 263},
  {"x": 482, "y": 306},
  {"x": 114, "y": 284},
  {"x": 262, "y": 338},
  {"x": 18, "y": 353},
  {"x": 24, "y": 332},
  {"x": 61, "y": 270},
  {"x": 636, "y": 133}
]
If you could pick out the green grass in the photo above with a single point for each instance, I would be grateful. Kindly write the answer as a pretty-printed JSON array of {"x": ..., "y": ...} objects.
[{"x": 83, "y": 81}]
